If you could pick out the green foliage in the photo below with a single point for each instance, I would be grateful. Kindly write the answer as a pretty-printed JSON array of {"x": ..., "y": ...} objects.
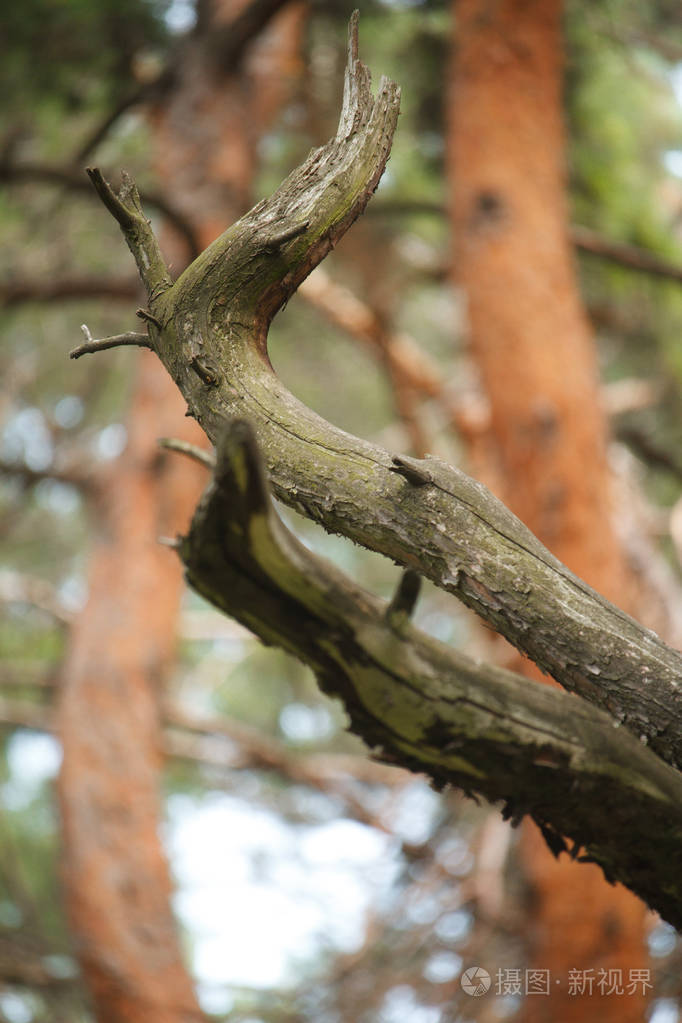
[
  {"x": 622, "y": 118},
  {"x": 69, "y": 53}
]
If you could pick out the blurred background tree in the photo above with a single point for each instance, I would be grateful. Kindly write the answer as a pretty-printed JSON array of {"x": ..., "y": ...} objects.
[{"x": 311, "y": 883}]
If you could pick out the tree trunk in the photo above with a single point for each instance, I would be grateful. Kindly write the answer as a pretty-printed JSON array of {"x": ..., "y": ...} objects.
[
  {"x": 122, "y": 645},
  {"x": 117, "y": 881},
  {"x": 531, "y": 340}
]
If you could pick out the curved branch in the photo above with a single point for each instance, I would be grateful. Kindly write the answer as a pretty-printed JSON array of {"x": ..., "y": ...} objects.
[
  {"x": 542, "y": 752},
  {"x": 422, "y": 705},
  {"x": 423, "y": 514}
]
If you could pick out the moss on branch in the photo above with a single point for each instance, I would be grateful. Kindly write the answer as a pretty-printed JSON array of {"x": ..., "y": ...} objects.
[{"x": 420, "y": 704}]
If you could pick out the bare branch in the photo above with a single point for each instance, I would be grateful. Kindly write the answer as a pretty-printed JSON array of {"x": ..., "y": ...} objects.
[
  {"x": 92, "y": 344},
  {"x": 55, "y": 289},
  {"x": 247, "y": 747},
  {"x": 425, "y": 706},
  {"x": 126, "y": 208},
  {"x": 120, "y": 210},
  {"x": 412, "y": 373},
  {"x": 631, "y": 257},
  {"x": 206, "y": 458},
  {"x": 649, "y": 451},
  {"x": 250, "y": 748},
  {"x": 132, "y": 99},
  {"x": 541, "y": 751},
  {"x": 423, "y": 514},
  {"x": 73, "y": 179}
]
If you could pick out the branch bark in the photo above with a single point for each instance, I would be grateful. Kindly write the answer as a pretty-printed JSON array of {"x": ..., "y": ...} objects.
[
  {"x": 473, "y": 726},
  {"x": 421, "y": 704},
  {"x": 420, "y": 512}
]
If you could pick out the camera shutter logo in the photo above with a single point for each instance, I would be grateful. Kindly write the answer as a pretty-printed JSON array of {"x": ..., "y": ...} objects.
[{"x": 475, "y": 981}]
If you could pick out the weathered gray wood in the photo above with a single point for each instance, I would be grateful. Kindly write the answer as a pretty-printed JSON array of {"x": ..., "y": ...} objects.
[
  {"x": 540, "y": 751},
  {"x": 422, "y": 513},
  {"x": 421, "y": 704}
]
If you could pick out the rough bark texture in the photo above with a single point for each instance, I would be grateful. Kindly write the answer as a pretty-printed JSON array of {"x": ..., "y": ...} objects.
[
  {"x": 532, "y": 342},
  {"x": 422, "y": 705},
  {"x": 210, "y": 331},
  {"x": 513, "y": 258}
]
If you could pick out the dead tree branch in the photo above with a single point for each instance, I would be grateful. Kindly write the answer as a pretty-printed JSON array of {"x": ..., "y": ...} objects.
[
  {"x": 465, "y": 724},
  {"x": 420, "y": 704},
  {"x": 56, "y": 289},
  {"x": 129, "y": 339}
]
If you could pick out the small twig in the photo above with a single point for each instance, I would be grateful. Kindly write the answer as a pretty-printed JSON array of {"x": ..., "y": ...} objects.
[
  {"x": 92, "y": 344},
  {"x": 126, "y": 208},
  {"x": 206, "y": 458},
  {"x": 145, "y": 315},
  {"x": 169, "y": 541},
  {"x": 404, "y": 600},
  {"x": 276, "y": 240}
]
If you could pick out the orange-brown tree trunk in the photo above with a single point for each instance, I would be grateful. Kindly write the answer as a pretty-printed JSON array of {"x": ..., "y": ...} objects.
[
  {"x": 117, "y": 883},
  {"x": 532, "y": 342},
  {"x": 116, "y": 877}
]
